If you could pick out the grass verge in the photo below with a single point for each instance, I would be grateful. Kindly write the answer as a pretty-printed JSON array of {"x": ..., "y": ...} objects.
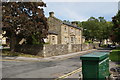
[
  {"x": 115, "y": 55},
  {"x": 17, "y": 54}
]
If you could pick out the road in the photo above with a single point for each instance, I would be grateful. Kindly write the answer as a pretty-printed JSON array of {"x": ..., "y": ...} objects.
[
  {"x": 51, "y": 69},
  {"x": 30, "y": 69}
]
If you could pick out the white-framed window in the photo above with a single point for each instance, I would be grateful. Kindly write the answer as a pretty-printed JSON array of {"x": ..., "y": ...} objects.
[
  {"x": 65, "y": 28},
  {"x": 53, "y": 38},
  {"x": 65, "y": 39},
  {"x": 72, "y": 39}
]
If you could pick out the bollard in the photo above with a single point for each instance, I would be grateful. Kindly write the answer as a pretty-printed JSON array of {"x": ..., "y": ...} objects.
[{"x": 95, "y": 66}]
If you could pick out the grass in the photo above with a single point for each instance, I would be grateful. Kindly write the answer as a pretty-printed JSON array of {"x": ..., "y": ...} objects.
[
  {"x": 17, "y": 54},
  {"x": 118, "y": 65},
  {"x": 115, "y": 55},
  {"x": 104, "y": 45},
  {"x": 88, "y": 42}
]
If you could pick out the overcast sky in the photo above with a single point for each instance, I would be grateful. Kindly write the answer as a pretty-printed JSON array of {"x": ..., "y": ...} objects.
[
  {"x": 81, "y": 11},
  {"x": 80, "y": 0}
]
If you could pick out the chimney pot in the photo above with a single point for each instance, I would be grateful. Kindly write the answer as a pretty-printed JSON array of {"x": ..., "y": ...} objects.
[
  {"x": 74, "y": 23},
  {"x": 51, "y": 14}
]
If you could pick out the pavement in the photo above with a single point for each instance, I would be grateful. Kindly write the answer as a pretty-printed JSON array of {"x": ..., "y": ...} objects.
[{"x": 59, "y": 57}]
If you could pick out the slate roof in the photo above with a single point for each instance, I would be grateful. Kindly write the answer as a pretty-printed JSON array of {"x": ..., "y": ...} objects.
[
  {"x": 68, "y": 24},
  {"x": 51, "y": 32},
  {"x": 72, "y": 25}
]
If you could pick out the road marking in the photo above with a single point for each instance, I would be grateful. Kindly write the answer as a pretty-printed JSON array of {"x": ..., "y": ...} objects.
[{"x": 68, "y": 74}]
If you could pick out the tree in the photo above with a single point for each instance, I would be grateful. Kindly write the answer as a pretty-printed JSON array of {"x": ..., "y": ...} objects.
[
  {"x": 115, "y": 36},
  {"x": 96, "y": 29},
  {"x": 24, "y": 20},
  {"x": 90, "y": 28},
  {"x": 104, "y": 29}
]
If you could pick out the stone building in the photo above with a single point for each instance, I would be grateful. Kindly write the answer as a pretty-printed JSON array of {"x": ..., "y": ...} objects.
[
  {"x": 2, "y": 39},
  {"x": 63, "y": 33},
  {"x": 51, "y": 38}
]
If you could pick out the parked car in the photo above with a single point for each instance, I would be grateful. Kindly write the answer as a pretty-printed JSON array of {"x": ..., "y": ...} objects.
[{"x": 112, "y": 46}]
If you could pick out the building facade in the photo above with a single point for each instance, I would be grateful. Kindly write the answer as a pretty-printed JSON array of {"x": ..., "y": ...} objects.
[
  {"x": 66, "y": 33},
  {"x": 2, "y": 39},
  {"x": 52, "y": 38}
]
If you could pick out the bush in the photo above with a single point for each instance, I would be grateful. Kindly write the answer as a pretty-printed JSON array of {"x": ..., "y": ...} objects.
[
  {"x": 104, "y": 45},
  {"x": 88, "y": 42},
  {"x": 4, "y": 45},
  {"x": 115, "y": 55}
]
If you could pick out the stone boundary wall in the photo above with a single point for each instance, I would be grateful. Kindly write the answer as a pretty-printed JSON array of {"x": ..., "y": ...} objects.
[
  {"x": 54, "y": 50},
  {"x": 48, "y": 50}
]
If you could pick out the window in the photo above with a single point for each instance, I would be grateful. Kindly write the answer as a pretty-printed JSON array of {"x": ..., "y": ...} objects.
[
  {"x": 71, "y": 29},
  {"x": 53, "y": 38},
  {"x": 72, "y": 39},
  {"x": 65, "y": 39},
  {"x": 78, "y": 32},
  {"x": 65, "y": 28}
]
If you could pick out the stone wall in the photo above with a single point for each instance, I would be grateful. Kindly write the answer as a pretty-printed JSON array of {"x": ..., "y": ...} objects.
[
  {"x": 48, "y": 50},
  {"x": 76, "y": 47},
  {"x": 54, "y": 50}
]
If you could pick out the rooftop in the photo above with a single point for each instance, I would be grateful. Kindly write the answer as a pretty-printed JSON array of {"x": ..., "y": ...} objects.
[
  {"x": 51, "y": 32},
  {"x": 72, "y": 25},
  {"x": 51, "y": 14}
]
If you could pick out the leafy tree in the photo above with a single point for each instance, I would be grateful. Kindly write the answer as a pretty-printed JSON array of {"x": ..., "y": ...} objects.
[
  {"x": 24, "y": 20},
  {"x": 96, "y": 29},
  {"x": 66, "y": 21},
  {"x": 90, "y": 28},
  {"x": 104, "y": 29},
  {"x": 116, "y": 28}
]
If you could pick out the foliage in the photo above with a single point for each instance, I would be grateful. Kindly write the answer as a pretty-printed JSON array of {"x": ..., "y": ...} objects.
[
  {"x": 90, "y": 28},
  {"x": 116, "y": 29},
  {"x": 96, "y": 29},
  {"x": 115, "y": 55},
  {"x": 104, "y": 46},
  {"x": 89, "y": 41},
  {"x": 66, "y": 21},
  {"x": 24, "y": 20}
]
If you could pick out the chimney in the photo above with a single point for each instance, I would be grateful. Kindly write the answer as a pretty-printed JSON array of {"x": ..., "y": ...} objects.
[
  {"x": 51, "y": 14},
  {"x": 74, "y": 23}
]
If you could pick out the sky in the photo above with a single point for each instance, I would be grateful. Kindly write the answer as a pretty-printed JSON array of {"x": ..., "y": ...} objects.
[
  {"x": 80, "y": 0},
  {"x": 81, "y": 10}
]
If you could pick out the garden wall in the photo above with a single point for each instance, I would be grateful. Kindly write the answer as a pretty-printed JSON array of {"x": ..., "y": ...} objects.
[{"x": 48, "y": 50}]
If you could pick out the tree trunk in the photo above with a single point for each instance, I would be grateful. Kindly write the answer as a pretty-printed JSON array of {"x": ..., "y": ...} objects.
[
  {"x": 107, "y": 41},
  {"x": 100, "y": 43},
  {"x": 12, "y": 42}
]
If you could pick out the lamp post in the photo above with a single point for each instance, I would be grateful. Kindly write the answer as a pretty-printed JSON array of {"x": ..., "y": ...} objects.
[{"x": 82, "y": 30}]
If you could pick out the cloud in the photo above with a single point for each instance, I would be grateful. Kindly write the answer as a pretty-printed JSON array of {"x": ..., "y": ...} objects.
[
  {"x": 80, "y": 0},
  {"x": 82, "y": 10},
  {"x": 71, "y": 15}
]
